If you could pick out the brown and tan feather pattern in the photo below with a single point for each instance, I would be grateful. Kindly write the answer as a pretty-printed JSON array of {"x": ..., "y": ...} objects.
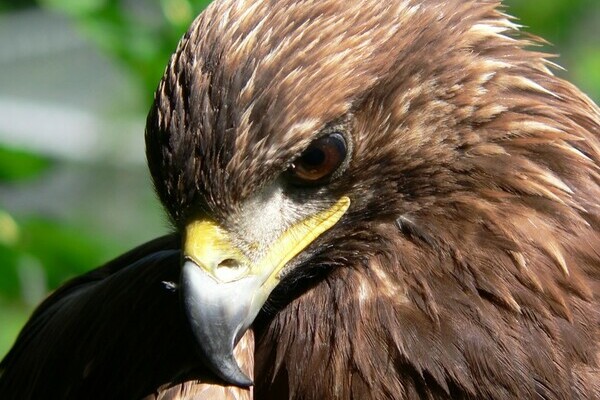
[{"x": 468, "y": 264}]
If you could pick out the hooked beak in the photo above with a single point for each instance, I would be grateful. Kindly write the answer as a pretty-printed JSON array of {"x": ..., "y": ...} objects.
[{"x": 224, "y": 288}]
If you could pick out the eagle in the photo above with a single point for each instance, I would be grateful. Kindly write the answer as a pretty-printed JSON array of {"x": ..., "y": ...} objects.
[{"x": 369, "y": 200}]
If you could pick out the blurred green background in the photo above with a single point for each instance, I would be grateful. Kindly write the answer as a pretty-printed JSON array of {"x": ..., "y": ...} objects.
[{"x": 76, "y": 80}]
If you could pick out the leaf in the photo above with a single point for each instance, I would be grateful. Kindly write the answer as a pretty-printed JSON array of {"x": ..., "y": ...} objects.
[
  {"x": 586, "y": 71},
  {"x": 9, "y": 230},
  {"x": 13, "y": 317},
  {"x": 75, "y": 7},
  {"x": 553, "y": 21},
  {"x": 63, "y": 251},
  {"x": 16, "y": 165},
  {"x": 142, "y": 43},
  {"x": 9, "y": 278}
]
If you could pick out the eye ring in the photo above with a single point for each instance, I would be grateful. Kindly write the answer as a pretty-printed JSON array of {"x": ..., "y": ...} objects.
[{"x": 319, "y": 162}]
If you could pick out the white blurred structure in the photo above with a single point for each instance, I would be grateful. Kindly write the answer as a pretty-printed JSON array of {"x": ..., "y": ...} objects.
[{"x": 61, "y": 98}]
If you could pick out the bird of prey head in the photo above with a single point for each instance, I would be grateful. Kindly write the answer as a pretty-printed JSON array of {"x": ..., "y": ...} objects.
[{"x": 409, "y": 195}]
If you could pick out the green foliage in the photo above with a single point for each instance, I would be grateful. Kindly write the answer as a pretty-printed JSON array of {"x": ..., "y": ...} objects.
[
  {"x": 17, "y": 165},
  {"x": 142, "y": 41},
  {"x": 570, "y": 27},
  {"x": 37, "y": 247},
  {"x": 37, "y": 254},
  {"x": 64, "y": 251},
  {"x": 551, "y": 21},
  {"x": 13, "y": 317},
  {"x": 587, "y": 70},
  {"x": 15, "y": 4}
]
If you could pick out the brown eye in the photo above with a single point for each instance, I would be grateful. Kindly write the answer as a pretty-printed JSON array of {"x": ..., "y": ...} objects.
[{"x": 319, "y": 161}]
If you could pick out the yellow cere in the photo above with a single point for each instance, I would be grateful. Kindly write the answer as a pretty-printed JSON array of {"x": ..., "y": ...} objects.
[{"x": 207, "y": 244}]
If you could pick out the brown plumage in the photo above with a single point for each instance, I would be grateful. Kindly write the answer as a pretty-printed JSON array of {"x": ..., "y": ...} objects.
[{"x": 467, "y": 265}]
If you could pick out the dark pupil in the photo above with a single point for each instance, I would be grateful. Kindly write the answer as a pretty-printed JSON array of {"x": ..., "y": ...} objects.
[{"x": 313, "y": 157}]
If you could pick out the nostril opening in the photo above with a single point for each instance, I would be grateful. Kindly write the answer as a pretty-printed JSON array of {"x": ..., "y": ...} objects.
[
  {"x": 230, "y": 270},
  {"x": 229, "y": 263}
]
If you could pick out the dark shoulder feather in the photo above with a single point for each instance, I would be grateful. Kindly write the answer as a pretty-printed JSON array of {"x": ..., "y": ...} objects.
[{"x": 114, "y": 332}]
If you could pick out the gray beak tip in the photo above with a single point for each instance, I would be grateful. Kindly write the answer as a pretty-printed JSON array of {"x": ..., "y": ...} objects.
[
  {"x": 228, "y": 370},
  {"x": 217, "y": 316}
]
